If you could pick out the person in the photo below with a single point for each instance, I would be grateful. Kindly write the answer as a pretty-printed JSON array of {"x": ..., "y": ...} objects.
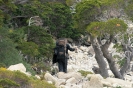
[{"x": 62, "y": 63}]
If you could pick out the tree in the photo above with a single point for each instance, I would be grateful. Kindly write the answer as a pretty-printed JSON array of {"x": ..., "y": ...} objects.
[
  {"x": 108, "y": 31},
  {"x": 42, "y": 39},
  {"x": 87, "y": 18},
  {"x": 129, "y": 9},
  {"x": 59, "y": 20},
  {"x": 86, "y": 12},
  {"x": 5, "y": 8},
  {"x": 8, "y": 53}
]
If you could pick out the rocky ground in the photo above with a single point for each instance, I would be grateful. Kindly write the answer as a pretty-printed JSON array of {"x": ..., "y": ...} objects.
[{"x": 82, "y": 59}]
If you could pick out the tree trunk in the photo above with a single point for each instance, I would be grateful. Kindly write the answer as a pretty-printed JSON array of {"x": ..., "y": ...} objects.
[
  {"x": 110, "y": 60},
  {"x": 125, "y": 67},
  {"x": 99, "y": 57},
  {"x": 128, "y": 53}
]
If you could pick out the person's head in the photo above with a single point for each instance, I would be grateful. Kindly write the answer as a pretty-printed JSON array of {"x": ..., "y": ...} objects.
[{"x": 60, "y": 39}]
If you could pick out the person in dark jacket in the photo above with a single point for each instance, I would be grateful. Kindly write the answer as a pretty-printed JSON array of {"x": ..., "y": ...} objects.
[{"x": 62, "y": 63}]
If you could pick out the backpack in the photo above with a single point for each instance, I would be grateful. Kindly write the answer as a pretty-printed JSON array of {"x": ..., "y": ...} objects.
[{"x": 60, "y": 49}]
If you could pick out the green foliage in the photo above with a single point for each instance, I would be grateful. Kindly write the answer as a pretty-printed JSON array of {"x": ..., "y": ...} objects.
[
  {"x": 4, "y": 12},
  {"x": 6, "y": 83},
  {"x": 17, "y": 35},
  {"x": 29, "y": 68},
  {"x": 1, "y": 18},
  {"x": 70, "y": 2},
  {"x": 29, "y": 48},
  {"x": 42, "y": 66},
  {"x": 59, "y": 20},
  {"x": 17, "y": 78},
  {"x": 96, "y": 28},
  {"x": 39, "y": 36},
  {"x": 2, "y": 65},
  {"x": 56, "y": 16},
  {"x": 33, "y": 41},
  {"x": 114, "y": 3},
  {"x": 112, "y": 26},
  {"x": 121, "y": 61},
  {"x": 41, "y": 84},
  {"x": 8, "y": 54},
  {"x": 84, "y": 73},
  {"x": 129, "y": 9},
  {"x": 86, "y": 11},
  {"x": 118, "y": 47}
]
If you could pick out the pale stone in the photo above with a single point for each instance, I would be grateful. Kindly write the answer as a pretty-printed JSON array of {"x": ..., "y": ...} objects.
[
  {"x": 119, "y": 82},
  {"x": 76, "y": 86},
  {"x": 110, "y": 73},
  {"x": 19, "y": 67},
  {"x": 72, "y": 80},
  {"x": 49, "y": 77},
  {"x": 50, "y": 82},
  {"x": 85, "y": 84},
  {"x": 61, "y": 86},
  {"x": 97, "y": 75},
  {"x": 83, "y": 48},
  {"x": 60, "y": 82},
  {"x": 62, "y": 75},
  {"x": 95, "y": 82},
  {"x": 106, "y": 83}
]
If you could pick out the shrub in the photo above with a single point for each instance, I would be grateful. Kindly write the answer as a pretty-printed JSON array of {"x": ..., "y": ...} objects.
[
  {"x": 84, "y": 73},
  {"x": 6, "y": 83},
  {"x": 17, "y": 79}
]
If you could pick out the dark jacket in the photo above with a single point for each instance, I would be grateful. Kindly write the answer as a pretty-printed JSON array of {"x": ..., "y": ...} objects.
[{"x": 54, "y": 60}]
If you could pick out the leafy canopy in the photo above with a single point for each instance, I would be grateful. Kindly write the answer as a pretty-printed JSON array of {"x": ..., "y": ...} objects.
[
  {"x": 112, "y": 26},
  {"x": 129, "y": 9},
  {"x": 88, "y": 11}
]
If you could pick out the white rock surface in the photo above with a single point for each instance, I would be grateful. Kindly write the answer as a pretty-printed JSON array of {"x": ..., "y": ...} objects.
[{"x": 19, "y": 67}]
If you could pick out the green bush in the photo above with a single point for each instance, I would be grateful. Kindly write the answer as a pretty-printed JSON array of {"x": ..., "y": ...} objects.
[
  {"x": 9, "y": 55},
  {"x": 16, "y": 78},
  {"x": 2, "y": 65},
  {"x": 6, "y": 83},
  {"x": 84, "y": 73}
]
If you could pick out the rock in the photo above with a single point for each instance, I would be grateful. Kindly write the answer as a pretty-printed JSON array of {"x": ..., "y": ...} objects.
[
  {"x": 37, "y": 76},
  {"x": 95, "y": 82},
  {"x": 76, "y": 86},
  {"x": 110, "y": 73},
  {"x": 97, "y": 75},
  {"x": 106, "y": 83},
  {"x": 49, "y": 82},
  {"x": 85, "y": 84},
  {"x": 72, "y": 80},
  {"x": 118, "y": 82},
  {"x": 60, "y": 82},
  {"x": 62, "y": 75},
  {"x": 19, "y": 67},
  {"x": 49, "y": 77}
]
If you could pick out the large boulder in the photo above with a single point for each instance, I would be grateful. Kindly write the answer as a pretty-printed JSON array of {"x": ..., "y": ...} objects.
[
  {"x": 114, "y": 82},
  {"x": 76, "y": 75},
  {"x": 49, "y": 77},
  {"x": 19, "y": 67},
  {"x": 95, "y": 82}
]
